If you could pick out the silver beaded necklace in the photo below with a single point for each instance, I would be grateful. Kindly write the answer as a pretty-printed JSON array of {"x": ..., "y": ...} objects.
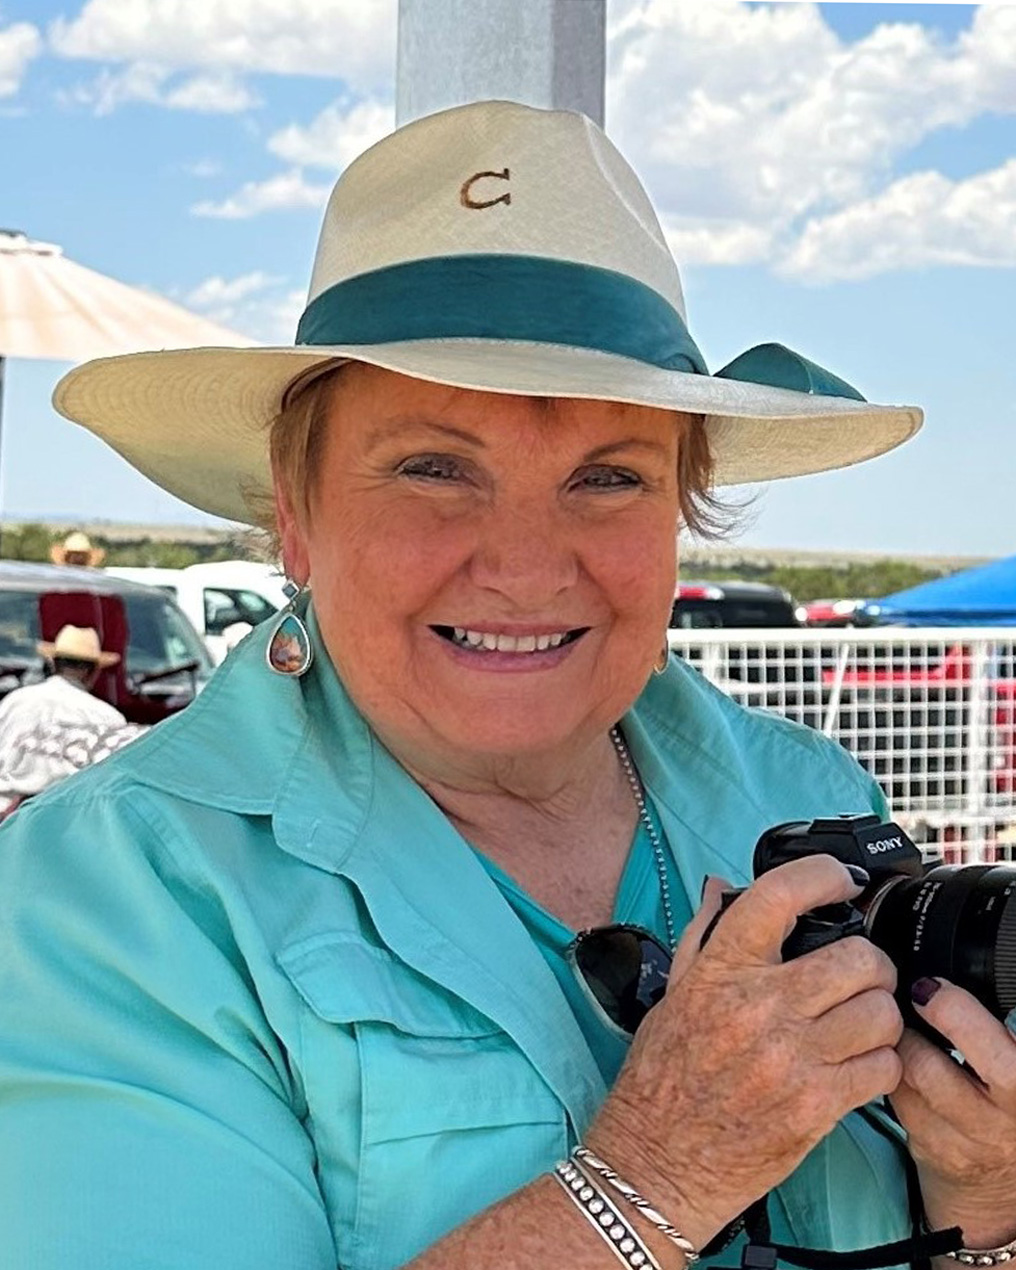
[{"x": 654, "y": 837}]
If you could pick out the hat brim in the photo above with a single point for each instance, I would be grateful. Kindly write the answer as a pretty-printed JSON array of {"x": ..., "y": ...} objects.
[
  {"x": 96, "y": 555},
  {"x": 103, "y": 661},
  {"x": 196, "y": 421}
]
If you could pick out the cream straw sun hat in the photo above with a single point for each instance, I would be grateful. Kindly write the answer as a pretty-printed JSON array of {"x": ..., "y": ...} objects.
[
  {"x": 495, "y": 247},
  {"x": 78, "y": 643}
]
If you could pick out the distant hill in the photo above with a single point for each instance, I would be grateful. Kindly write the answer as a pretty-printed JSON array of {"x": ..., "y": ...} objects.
[{"x": 806, "y": 574}]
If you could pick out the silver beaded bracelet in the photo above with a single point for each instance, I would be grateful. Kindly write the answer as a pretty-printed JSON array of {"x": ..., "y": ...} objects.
[
  {"x": 985, "y": 1256},
  {"x": 601, "y": 1213},
  {"x": 636, "y": 1200}
]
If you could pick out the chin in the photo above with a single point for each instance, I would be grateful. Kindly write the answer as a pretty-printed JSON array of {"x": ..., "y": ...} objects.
[{"x": 506, "y": 734}]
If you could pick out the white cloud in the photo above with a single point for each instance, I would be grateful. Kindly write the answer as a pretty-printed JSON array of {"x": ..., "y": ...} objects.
[
  {"x": 257, "y": 304},
  {"x": 331, "y": 141},
  {"x": 351, "y": 40},
  {"x": 921, "y": 220},
  {"x": 18, "y": 45},
  {"x": 716, "y": 243},
  {"x": 284, "y": 191},
  {"x": 211, "y": 94},
  {"x": 336, "y": 136},
  {"x": 763, "y": 118},
  {"x": 202, "y": 168},
  {"x": 158, "y": 86},
  {"x": 217, "y": 290}
]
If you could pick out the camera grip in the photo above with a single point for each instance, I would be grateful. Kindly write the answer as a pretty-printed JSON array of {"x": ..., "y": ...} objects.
[{"x": 820, "y": 927}]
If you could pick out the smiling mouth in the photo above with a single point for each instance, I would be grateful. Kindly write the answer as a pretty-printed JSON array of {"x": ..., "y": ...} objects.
[{"x": 489, "y": 642}]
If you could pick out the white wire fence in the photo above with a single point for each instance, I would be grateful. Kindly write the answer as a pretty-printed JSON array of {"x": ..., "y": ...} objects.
[{"x": 931, "y": 713}]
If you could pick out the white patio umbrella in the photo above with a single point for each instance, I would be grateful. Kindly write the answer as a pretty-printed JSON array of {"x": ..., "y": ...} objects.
[{"x": 55, "y": 309}]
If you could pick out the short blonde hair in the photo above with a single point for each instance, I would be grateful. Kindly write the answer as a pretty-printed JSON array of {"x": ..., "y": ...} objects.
[{"x": 296, "y": 437}]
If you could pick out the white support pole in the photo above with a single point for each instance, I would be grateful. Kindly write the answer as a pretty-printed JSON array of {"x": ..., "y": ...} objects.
[{"x": 548, "y": 53}]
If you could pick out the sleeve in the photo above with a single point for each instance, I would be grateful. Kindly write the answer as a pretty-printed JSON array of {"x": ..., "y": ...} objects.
[{"x": 148, "y": 1117}]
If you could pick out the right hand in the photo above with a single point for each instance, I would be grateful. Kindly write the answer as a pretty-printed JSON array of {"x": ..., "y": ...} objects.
[{"x": 747, "y": 1062}]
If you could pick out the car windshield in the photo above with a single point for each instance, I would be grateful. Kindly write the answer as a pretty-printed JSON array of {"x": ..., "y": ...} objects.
[
  {"x": 159, "y": 638},
  {"x": 695, "y": 614}
]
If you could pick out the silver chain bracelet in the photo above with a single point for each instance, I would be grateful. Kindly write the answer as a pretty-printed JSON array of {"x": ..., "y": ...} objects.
[{"x": 638, "y": 1201}]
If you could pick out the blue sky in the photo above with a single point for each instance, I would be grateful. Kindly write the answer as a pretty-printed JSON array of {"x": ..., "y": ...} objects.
[{"x": 837, "y": 177}]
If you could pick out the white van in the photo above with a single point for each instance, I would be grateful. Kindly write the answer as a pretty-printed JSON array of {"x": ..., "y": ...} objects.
[{"x": 222, "y": 598}]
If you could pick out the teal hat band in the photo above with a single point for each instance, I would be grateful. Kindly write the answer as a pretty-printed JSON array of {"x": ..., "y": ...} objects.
[{"x": 503, "y": 297}]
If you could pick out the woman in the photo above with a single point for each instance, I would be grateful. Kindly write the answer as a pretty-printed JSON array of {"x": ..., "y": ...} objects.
[{"x": 293, "y": 981}]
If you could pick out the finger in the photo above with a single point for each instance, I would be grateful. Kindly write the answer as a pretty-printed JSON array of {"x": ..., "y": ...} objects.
[
  {"x": 831, "y": 975},
  {"x": 930, "y": 1136},
  {"x": 868, "y": 1021},
  {"x": 983, "y": 1040},
  {"x": 756, "y": 925},
  {"x": 940, "y": 1083},
  {"x": 866, "y": 1077},
  {"x": 691, "y": 941}
]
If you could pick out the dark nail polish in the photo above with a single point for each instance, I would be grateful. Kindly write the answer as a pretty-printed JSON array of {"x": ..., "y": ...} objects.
[
  {"x": 861, "y": 876},
  {"x": 923, "y": 990},
  {"x": 705, "y": 883}
]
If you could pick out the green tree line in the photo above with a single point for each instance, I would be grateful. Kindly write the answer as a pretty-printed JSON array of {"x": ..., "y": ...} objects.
[
  {"x": 868, "y": 579},
  {"x": 863, "y": 580},
  {"x": 31, "y": 541}
]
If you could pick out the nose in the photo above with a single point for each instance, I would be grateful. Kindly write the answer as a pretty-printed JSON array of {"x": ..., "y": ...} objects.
[{"x": 526, "y": 555}]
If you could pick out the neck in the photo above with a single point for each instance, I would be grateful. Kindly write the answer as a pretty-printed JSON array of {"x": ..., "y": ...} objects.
[{"x": 559, "y": 788}]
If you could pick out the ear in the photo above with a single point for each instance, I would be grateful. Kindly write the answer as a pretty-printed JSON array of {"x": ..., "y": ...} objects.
[{"x": 292, "y": 536}]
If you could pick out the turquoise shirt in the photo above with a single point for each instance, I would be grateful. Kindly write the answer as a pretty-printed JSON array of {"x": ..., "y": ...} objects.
[
  {"x": 261, "y": 1005},
  {"x": 638, "y": 902}
]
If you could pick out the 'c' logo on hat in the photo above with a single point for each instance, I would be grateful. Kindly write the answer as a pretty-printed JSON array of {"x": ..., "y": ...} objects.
[{"x": 467, "y": 200}]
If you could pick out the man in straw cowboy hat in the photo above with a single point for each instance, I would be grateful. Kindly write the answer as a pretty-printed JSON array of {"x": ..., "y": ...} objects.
[
  {"x": 50, "y": 729},
  {"x": 77, "y": 549},
  {"x": 342, "y": 962}
]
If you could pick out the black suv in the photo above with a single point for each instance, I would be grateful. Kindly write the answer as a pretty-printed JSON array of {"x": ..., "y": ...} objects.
[
  {"x": 704, "y": 605},
  {"x": 165, "y": 663}
]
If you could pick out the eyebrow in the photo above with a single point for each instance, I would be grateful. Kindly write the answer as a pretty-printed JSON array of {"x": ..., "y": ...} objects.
[
  {"x": 630, "y": 443},
  {"x": 398, "y": 427}
]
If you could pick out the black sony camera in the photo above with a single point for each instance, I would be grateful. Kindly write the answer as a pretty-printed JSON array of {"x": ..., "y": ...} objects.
[{"x": 953, "y": 921}]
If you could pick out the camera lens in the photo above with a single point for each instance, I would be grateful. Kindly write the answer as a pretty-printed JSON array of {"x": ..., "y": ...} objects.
[{"x": 958, "y": 922}]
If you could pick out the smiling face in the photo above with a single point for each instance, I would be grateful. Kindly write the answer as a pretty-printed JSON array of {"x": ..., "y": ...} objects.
[{"x": 492, "y": 574}]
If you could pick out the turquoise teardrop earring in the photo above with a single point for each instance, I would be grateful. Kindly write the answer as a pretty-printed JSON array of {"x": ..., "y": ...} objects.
[{"x": 290, "y": 651}]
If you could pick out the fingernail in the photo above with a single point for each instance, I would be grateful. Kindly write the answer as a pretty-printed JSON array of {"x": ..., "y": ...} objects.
[
  {"x": 705, "y": 883},
  {"x": 861, "y": 876},
  {"x": 923, "y": 990}
]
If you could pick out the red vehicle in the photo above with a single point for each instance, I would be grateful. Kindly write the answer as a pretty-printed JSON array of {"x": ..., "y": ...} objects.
[
  {"x": 836, "y": 613},
  {"x": 163, "y": 663},
  {"x": 901, "y": 692}
]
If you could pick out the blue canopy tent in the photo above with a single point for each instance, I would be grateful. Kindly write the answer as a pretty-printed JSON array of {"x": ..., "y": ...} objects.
[{"x": 983, "y": 596}]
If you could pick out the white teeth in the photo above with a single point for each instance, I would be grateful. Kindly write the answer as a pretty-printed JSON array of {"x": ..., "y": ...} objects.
[{"x": 507, "y": 643}]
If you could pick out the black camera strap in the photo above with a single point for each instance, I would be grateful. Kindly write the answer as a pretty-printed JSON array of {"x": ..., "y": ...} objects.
[{"x": 761, "y": 1253}]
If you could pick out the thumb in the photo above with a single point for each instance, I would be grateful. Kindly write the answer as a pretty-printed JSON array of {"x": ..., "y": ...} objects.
[
  {"x": 756, "y": 926},
  {"x": 694, "y": 932}
]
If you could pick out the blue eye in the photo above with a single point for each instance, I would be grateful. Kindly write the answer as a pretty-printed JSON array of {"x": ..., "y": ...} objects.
[{"x": 431, "y": 467}]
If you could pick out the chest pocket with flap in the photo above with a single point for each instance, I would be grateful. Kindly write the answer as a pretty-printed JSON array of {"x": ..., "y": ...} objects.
[{"x": 422, "y": 1110}]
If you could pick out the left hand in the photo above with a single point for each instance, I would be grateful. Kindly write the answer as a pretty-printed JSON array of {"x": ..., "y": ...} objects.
[{"x": 962, "y": 1126}]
